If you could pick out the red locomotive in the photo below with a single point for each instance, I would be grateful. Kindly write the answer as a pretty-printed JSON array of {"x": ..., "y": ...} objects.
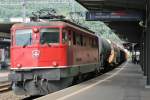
[{"x": 48, "y": 56}]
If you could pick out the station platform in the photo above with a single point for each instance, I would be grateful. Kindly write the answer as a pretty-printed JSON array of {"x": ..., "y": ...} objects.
[
  {"x": 123, "y": 83},
  {"x": 4, "y": 76}
]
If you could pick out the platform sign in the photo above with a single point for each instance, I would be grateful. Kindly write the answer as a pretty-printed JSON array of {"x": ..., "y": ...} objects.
[{"x": 115, "y": 16}]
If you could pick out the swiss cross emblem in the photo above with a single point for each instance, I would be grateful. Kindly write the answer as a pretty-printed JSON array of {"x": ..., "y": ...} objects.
[{"x": 35, "y": 53}]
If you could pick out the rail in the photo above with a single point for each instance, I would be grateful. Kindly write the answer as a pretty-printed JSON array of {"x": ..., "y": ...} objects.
[{"x": 5, "y": 87}]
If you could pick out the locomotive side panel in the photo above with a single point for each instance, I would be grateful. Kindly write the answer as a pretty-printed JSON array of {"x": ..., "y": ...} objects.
[
  {"x": 85, "y": 54},
  {"x": 85, "y": 51}
]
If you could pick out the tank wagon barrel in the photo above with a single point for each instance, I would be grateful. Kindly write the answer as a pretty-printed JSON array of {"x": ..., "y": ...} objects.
[{"x": 104, "y": 51}]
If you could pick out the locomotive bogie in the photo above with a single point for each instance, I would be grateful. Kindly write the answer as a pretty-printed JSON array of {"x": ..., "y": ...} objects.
[{"x": 24, "y": 82}]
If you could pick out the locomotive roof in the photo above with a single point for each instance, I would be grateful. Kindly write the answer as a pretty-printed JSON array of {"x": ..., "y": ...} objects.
[{"x": 64, "y": 23}]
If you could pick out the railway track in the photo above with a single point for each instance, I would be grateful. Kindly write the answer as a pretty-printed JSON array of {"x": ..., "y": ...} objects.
[{"x": 5, "y": 87}]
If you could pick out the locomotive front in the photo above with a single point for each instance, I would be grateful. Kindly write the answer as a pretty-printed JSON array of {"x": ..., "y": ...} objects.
[{"x": 37, "y": 54}]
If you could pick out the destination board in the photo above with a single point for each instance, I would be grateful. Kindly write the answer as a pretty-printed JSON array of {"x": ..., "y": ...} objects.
[{"x": 114, "y": 16}]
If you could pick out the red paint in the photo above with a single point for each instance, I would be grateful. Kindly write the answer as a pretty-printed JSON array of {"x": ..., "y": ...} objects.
[
  {"x": 60, "y": 35},
  {"x": 48, "y": 55},
  {"x": 55, "y": 55}
]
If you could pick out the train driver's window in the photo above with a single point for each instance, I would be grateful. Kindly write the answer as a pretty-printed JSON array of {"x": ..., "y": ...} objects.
[
  {"x": 64, "y": 38},
  {"x": 49, "y": 35}
]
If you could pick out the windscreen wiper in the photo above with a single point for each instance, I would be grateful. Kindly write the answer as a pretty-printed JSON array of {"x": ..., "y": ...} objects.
[
  {"x": 43, "y": 41},
  {"x": 29, "y": 41},
  {"x": 48, "y": 44}
]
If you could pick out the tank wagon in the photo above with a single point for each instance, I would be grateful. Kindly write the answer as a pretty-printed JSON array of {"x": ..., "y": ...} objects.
[
  {"x": 49, "y": 56},
  {"x": 104, "y": 52}
]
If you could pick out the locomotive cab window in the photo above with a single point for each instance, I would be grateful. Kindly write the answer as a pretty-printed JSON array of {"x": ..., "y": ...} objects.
[
  {"x": 49, "y": 36},
  {"x": 64, "y": 37},
  {"x": 23, "y": 37}
]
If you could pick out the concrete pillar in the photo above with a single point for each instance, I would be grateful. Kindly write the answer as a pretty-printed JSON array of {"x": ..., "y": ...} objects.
[
  {"x": 133, "y": 53},
  {"x": 145, "y": 55},
  {"x": 142, "y": 51},
  {"x": 148, "y": 55},
  {"x": 148, "y": 43},
  {"x": 141, "y": 56}
]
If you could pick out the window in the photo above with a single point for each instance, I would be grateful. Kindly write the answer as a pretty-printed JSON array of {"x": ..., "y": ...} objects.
[
  {"x": 84, "y": 40},
  {"x": 90, "y": 41},
  {"x": 81, "y": 40},
  {"x": 78, "y": 42},
  {"x": 23, "y": 37},
  {"x": 74, "y": 38},
  {"x": 94, "y": 42},
  {"x": 49, "y": 36},
  {"x": 64, "y": 38}
]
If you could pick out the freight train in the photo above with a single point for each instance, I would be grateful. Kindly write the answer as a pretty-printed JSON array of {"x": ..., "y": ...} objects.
[{"x": 49, "y": 56}]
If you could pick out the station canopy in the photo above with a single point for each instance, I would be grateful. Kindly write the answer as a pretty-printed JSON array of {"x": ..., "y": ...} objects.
[
  {"x": 113, "y": 4},
  {"x": 5, "y": 27},
  {"x": 126, "y": 24}
]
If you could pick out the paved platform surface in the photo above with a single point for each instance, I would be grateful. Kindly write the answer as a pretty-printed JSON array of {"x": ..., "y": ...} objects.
[
  {"x": 4, "y": 75},
  {"x": 123, "y": 83}
]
